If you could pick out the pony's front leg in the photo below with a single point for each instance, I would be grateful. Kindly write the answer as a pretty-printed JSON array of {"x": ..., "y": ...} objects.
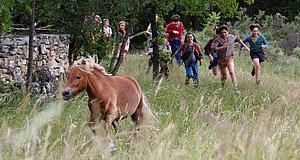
[
  {"x": 116, "y": 125},
  {"x": 110, "y": 119},
  {"x": 92, "y": 125},
  {"x": 94, "y": 114}
]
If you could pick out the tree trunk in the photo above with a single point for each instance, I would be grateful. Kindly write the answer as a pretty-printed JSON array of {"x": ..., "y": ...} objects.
[
  {"x": 112, "y": 61},
  {"x": 121, "y": 55},
  {"x": 30, "y": 58},
  {"x": 154, "y": 43}
]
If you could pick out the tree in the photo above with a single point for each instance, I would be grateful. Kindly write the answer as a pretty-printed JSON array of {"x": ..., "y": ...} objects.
[
  {"x": 5, "y": 15},
  {"x": 30, "y": 59},
  {"x": 289, "y": 9}
]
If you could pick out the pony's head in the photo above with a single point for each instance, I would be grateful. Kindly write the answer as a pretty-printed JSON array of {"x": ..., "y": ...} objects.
[{"x": 77, "y": 77}]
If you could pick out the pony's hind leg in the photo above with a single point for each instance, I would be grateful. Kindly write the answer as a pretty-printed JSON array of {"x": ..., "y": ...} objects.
[
  {"x": 137, "y": 116},
  {"x": 117, "y": 126}
]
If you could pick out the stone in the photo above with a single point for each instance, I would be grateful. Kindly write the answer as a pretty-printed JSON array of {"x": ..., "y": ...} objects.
[
  {"x": 2, "y": 62},
  {"x": 35, "y": 87},
  {"x": 56, "y": 41},
  {"x": 11, "y": 63},
  {"x": 35, "y": 43},
  {"x": 6, "y": 77},
  {"x": 4, "y": 55},
  {"x": 39, "y": 63},
  {"x": 18, "y": 75},
  {"x": 12, "y": 53},
  {"x": 44, "y": 62},
  {"x": 52, "y": 55},
  {"x": 7, "y": 42},
  {"x": 22, "y": 41},
  {"x": 60, "y": 50},
  {"x": 43, "y": 49},
  {"x": 24, "y": 61},
  {"x": 52, "y": 64}
]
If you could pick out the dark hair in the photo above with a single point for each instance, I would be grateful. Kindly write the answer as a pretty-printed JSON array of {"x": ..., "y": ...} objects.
[
  {"x": 185, "y": 38},
  {"x": 175, "y": 18},
  {"x": 224, "y": 26},
  {"x": 255, "y": 25},
  {"x": 217, "y": 29}
]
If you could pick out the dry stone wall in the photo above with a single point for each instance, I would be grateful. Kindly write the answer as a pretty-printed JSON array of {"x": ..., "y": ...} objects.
[{"x": 50, "y": 60}]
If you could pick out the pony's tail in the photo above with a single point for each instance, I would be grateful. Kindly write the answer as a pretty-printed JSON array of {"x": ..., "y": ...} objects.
[{"x": 149, "y": 118}]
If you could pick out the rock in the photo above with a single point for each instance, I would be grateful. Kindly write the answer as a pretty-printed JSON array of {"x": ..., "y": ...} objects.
[{"x": 7, "y": 42}]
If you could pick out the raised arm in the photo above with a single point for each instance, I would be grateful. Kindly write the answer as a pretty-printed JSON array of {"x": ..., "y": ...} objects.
[{"x": 148, "y": 31}]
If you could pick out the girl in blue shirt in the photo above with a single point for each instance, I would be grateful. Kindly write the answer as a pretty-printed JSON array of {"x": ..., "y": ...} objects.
[{"x": 257, "y": 44}]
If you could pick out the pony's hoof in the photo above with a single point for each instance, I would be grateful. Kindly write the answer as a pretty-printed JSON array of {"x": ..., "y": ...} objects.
[
  {"x": 236, "y": 90},
  {"x": 113, "y": 147}
]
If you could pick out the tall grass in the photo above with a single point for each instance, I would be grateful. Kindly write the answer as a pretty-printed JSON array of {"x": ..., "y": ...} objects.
[{"x": 205, "y": 123}]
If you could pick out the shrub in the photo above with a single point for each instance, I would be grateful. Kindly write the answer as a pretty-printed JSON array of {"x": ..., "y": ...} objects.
[{"x": 296, "y": 52}]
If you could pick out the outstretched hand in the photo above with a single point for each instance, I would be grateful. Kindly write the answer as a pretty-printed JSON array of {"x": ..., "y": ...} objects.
[
  {"x": 247, "y": 48},
  {"x": 200, "y": 61}
]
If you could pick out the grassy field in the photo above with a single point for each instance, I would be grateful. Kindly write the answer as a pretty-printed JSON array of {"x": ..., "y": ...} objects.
[{"x": 205, "y": 123}]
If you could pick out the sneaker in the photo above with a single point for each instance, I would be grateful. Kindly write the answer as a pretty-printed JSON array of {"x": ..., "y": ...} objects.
[
  {"x": 258, "y": 82},
  {"x": 209, "y": 67},
  {"x": 196, "y": 83},
  {"x": 179, "y": 62},
  {"x": 187, "y": 81},
  {"x": 236, "y": 90},
  {"x": 253, "y": 71},
  {"x": 223, "y": 85}
]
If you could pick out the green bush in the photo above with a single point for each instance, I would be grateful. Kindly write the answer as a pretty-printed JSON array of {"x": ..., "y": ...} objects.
[{"x": 296, "y": 52}]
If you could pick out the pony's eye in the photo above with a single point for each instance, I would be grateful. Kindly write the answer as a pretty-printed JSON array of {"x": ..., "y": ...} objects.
[{"x": 78, "y": 77}]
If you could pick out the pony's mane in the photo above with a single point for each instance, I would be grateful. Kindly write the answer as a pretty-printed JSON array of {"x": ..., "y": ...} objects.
[{"x": 88, "y": 65}]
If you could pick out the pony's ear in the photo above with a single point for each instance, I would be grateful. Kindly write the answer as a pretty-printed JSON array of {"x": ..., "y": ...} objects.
[
  {"x": 83, "y": 62},
  {"x": 95, "y": 57}
]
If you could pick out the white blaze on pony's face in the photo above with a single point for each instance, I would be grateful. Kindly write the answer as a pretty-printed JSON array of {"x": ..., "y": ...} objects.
[{"x": 76, "y": 82}]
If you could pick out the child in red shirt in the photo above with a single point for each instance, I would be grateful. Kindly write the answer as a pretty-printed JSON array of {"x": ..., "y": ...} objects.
[{"x": 175, "y": 30}]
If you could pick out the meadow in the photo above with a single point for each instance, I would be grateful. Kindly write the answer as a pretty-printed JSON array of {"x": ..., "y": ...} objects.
[{"x": 262, "y": 122}]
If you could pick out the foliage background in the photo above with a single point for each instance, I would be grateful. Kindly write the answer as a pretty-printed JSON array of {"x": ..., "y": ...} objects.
[{"x": 280, "y": 19}]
